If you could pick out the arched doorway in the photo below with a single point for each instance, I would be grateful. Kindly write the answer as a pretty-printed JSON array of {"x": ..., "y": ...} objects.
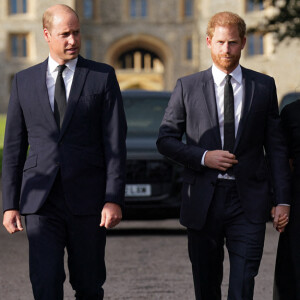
[{"x": 141, "y": 62}]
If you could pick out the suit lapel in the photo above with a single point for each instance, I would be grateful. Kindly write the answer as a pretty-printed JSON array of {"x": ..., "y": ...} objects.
[
  {"x": 249, "y": 86},
  {"x": 76, "y": 88},
  {"x": 42, "y": 93},
  {"x": 210, "y": 99}
]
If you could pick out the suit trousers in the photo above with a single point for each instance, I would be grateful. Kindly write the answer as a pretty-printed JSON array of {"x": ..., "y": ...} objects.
[
  {"x": 52, "y": 230},
  {"x": 226, "y": 221},
  {"x": 285, "y": 282}
]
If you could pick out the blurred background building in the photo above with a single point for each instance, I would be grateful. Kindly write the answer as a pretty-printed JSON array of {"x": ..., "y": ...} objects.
[{"x": 149, "y": 42}]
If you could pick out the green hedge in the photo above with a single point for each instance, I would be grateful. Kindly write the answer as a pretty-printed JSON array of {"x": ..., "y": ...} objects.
[{"x": 2, "y": 128}]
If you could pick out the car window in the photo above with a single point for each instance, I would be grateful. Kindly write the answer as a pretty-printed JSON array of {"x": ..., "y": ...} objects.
[{"x": 144, "y": 114}]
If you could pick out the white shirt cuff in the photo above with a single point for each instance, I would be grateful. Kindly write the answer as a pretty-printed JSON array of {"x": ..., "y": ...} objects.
[{"x": 202, "y": 159}]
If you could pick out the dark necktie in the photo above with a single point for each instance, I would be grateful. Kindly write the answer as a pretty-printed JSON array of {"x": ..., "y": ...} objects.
[
  {"x": 60, "y": 101},
  {"x": 229, "y": 132}
]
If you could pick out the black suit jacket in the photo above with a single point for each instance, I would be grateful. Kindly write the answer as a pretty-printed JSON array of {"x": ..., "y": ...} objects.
[
  {"x": 89, "y": 150},
  {"x": 192, "y": 111}
]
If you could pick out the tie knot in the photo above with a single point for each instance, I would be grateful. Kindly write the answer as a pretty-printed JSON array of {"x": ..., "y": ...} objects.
[
  {"x": 228, "y": 78},
  {"x": 61, "y": 68}
]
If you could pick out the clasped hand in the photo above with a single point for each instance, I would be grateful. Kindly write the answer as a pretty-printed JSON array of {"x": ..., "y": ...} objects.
[
  {"x": 280, "y": 215},
  {"x": 219, "y": 159}
]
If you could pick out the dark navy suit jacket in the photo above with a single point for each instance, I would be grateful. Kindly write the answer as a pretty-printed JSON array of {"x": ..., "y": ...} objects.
[
  {"x": 192, "y": 111},
  {"x": 89, "y": 150}
]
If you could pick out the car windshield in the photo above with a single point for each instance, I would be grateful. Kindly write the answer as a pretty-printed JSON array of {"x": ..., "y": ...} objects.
[{"x": 144, "y": 113}]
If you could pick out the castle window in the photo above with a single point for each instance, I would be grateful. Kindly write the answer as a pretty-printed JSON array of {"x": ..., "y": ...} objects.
[
  {"x": 17, "y": 7},
  {"x": 88, "y": 8},
  {"x": 255, "y": 5},
  {"x": 188, "y": 8},
  {"x": 189, "y": 49},
  {"x": 255, "y": 44},
  {"x": 88, "y": 48},
  {"x": 18, "y": 45},
  {"x": 138, "y": 8},
  {"x": 143, "y": 8},
  {"x": 140, "y": 59}
]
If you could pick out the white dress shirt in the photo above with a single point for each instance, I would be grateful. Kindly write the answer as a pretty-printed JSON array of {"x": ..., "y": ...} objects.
[
  {"x": 237, "y": 86},
  {"x": 51, "y": 76},
  {"x": 236, "y": 82}
]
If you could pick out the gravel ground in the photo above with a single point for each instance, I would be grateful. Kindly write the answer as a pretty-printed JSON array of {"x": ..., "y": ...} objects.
[{"x": 145, "y": 260}]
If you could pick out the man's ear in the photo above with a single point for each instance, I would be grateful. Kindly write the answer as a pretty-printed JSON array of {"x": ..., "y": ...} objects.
[
  {"x": 244, "y": 42},
  {"x": 47, "y": 35},
  {"x": 208, "y": 41}
]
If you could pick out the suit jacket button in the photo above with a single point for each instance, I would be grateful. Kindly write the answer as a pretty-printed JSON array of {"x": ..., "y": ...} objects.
[{"x": 58, "y": 163}]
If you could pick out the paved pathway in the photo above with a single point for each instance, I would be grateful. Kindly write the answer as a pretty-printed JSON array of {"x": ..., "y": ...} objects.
[{"x": 145, "y": 260}]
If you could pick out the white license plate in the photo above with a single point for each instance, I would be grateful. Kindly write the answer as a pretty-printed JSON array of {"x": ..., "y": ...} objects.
[{"x": 137, "y": 190}]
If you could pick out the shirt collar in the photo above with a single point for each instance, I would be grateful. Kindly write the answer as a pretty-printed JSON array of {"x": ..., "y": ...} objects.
[
  {"x": 52, "y": 64},
  {"x": 219, "y": 75}
]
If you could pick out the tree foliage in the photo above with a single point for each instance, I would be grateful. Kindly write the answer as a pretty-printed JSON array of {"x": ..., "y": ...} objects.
[{"x": 284, "y": 19}]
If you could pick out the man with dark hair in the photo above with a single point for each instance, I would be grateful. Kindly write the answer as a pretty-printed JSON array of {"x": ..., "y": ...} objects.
[
  {"x": 68, "y": 112},
  {"x": 229, "y": 116}
]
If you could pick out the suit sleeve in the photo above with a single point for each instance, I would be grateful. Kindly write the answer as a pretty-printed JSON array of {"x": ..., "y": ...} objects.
[
  {"x": 172, "y": 129},
  {"x": 115, "y": 129},
  {"x": 277, "y": 151},
  {"x": 286, "y": 117},
  {"x": 14, "y": 152}
]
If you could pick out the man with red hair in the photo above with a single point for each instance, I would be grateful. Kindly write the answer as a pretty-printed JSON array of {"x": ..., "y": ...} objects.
[{"x": 229, "y": 116}]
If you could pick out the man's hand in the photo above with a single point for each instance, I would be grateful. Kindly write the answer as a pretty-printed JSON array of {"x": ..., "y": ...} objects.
[
  {"x": 219, "y": 159},
  {"x": 111, "y": 215},
  {"x": 12, "y": 221},
  {"x": 281, "y": 217}
]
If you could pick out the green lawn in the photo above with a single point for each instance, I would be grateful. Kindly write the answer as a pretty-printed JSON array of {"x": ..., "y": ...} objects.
[{"x": 2, "y": 127}]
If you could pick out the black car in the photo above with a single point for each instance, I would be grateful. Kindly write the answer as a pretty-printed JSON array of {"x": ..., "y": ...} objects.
[
  {"x": 288, "y": 98},
  {"x": 153, "y": 182}
]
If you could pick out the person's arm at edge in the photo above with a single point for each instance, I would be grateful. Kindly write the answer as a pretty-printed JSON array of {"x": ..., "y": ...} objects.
[{"x": 277, "y": 153}]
